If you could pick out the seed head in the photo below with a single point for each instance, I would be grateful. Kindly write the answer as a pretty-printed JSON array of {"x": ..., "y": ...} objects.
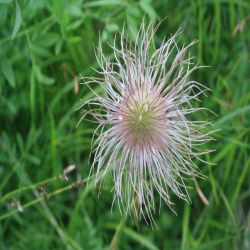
[{"x": 146, "y": 138}]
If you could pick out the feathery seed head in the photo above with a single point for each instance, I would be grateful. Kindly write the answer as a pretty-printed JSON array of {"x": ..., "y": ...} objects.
[{"x": 146, "y": 137}]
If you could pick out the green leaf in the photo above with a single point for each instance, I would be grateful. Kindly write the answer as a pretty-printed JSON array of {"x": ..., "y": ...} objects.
[
  {"x": 112, "y": 27},
  {"x": 212, "y": 243},
  {"x": 3, "y": 16},
  {"x": 18, "y": 20},
  {"x": 144, "y": 241},
  {"x": 99, "y": 3},
  {"x": 74, "y": 39},
  {"x": 43, "y": 78},
  {"x": 58, "y": 46},
  {"x": 185, "y": 227},
  {"x": 46, "y": 40},
  {"x": 41, "y": 51},
  {"x": 231, "y": 115},
  {"x": 74, "y": 10},
  {"x": 6, "y": 1},
  {"x": 146, "y": 6},
  {"x": 228, "y": 207},
  {"x": 8, "y": 71},
  {"x": 20, "y": 142},
  {"x": 74, "y": 25},
  {"x": 33, "y": 159}
]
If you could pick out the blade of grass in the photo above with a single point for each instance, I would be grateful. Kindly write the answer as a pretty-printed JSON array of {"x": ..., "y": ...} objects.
[
  {"x": 242, "y": 177},
  {"x": 116, "y": 238},
  {"x": 144, "y": 241},
  {"x": 232, "y": 115},
  {"x": 185, "y": 227}
]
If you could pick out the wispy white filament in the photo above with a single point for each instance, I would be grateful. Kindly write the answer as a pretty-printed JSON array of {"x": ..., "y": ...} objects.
[{"x": 145, "y": 137}]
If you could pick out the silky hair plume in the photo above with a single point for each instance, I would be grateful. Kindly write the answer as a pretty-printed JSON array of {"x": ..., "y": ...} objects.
[{"x": 145, "y": 135}]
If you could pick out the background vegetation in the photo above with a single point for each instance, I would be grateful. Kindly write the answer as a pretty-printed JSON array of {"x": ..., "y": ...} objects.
[{"x": 44, "y": 45}]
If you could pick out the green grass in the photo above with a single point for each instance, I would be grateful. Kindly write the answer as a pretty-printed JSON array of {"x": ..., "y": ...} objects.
[{"x": 44, "y": 45}]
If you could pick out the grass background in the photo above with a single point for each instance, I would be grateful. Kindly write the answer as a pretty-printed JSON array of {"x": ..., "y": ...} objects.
[{"x": 44, "y": 45}]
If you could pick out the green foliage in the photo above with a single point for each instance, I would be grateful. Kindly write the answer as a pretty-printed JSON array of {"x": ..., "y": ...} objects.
[{"x": 44, "y": 46}]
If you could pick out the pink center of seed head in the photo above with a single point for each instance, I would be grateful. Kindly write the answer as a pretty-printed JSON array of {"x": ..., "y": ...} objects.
[{"x": 142, "y": 119}]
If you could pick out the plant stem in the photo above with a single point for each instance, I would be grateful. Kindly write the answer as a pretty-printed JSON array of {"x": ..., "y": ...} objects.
[
  {"x": 33, "y": 186},
  {"x": 33, "y": 202}
]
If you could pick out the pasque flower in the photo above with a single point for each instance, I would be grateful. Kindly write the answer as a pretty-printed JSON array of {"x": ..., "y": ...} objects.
[{"x": 146, "y": 136}]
